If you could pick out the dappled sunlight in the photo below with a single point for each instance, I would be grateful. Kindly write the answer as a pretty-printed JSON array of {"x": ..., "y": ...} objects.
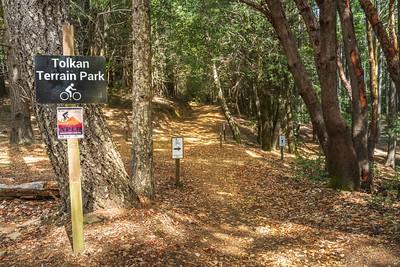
[
  {"x": 224, "y": 193},
  {"x": 30, "y": 160},
  {"x": 169, "y": 227},
  {"x": 234, "y": 162},
  {"x": 253, "y": 154},
  {"x": 4, "y": 157},
  {"x": 237, "y": 206}
]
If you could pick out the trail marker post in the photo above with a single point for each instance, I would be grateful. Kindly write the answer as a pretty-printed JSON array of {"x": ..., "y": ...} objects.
[
  {"x": 282, "y": 144},
  {"x": 74, "y": 164},
  {"x": 220, "y": 138},
  {"x": 70, "y": 80},
  {"x": 177, "y": 154},
  {"x": 224, "y": 130}
]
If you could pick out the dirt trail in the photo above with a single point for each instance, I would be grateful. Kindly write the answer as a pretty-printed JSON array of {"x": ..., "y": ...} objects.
[{"x": 238, "y": 206}]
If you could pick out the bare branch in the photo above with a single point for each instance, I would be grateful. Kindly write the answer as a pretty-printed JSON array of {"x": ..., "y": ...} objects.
[
  {"x": 115, "y": 10},
  {"x": 343, "y": 78}
]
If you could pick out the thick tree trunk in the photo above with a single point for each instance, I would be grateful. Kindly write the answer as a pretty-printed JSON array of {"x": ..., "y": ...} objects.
[
  {"x": 342, "y": 163},
  {"x": 21, "y": 127},
  {"x": 341, "y": 158},
  {"x": 359, "y": 95},
  {"x": 35, "y": 28},
  {"x": 142, "y": 144},
  {"x": 228, "y": 116},
  {"x": 342, "y": 175}
]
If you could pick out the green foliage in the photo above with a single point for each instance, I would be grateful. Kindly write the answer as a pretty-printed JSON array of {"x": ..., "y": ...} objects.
[
  {"x": 339, "y": 183},
  {"x": 379, "y": 200},
  {"x": 394, "y": 127},
  {"x": 311, "y": 169}
]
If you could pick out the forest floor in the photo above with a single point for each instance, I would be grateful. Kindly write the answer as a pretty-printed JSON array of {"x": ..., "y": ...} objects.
[{"x": 238, "y": 206}]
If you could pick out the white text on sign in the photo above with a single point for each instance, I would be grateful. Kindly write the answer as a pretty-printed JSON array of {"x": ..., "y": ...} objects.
[{"x": 83, "y": 75}]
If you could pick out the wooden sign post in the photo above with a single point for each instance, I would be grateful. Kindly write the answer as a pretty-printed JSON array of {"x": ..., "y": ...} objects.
[
  {"x": 282, "y": 143},
  {"x": 224, "y": 130},
  {"x": 177, "y": 172},
  {"x": 74, "y": 164},
  {"x": 177, "y": 154},
  {"x": 68, "y": 79},
  {"x": 220, "y": 139}
]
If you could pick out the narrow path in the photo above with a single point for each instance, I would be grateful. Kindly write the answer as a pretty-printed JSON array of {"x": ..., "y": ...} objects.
[
  {"x": 249, "y": 209},
  {"x": 238, "y": 206}
]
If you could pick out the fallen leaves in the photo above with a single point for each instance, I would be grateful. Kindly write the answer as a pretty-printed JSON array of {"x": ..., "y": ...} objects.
[{"x": 238, "y": 206}]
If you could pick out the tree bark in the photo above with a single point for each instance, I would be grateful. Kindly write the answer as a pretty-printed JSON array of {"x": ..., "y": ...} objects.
[
  {"x": 359, "y": 95},
  {"x": 387, "y": 44},
  {"x": 340, "y": 155},
  {"x": 374, "y": 128},
  {"x": 35, "y": 28},
  {"x": 392, "y": 24},
  {"x": 142, "y": 144},
  {"x": 278, "y": 20},
  {"x": 270, "y": 118},
  {"x": 339, "y": 151},
  {"x": 391, "y": 119},
  {"x": 21, "y": 132},
  {"x": 3, "y": 90},
  {"x": 392, "y": 101}
]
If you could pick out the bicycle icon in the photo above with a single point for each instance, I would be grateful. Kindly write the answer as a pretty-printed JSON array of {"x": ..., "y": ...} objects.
[{"x": 68, "y": 95}]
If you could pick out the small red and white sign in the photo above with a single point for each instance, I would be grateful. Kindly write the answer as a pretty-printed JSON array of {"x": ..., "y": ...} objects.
[{"x": 69, "y": 122}]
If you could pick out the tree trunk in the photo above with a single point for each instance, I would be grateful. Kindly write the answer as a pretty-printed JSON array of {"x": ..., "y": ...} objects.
[
  {"x": 391, "y": 119},
  {"x": 392, "y": 24},
  {"x": 339, "y": 151},
  {"x": 374, "y": 128},
  {"x": 142, "y": 144},
  {"x": 270, "y": 118},
  {"x": 105, "y": 183},
  {"x": 340, "y": 155},
  {"x": 359, "y": 95},
  {"x": 3, "y": 90},
  {"x": 392, "y": 101},
  {"x": 278, "y": 20},
  {"x": 388, "y": 45},
  {"x": 290, "y": 134},
  {"x": 21, "y": 127},
  {"x": 228, "y": 116}
]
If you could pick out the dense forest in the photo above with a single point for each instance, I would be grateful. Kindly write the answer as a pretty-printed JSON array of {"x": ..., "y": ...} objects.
[{"x": 289, "y": 113}]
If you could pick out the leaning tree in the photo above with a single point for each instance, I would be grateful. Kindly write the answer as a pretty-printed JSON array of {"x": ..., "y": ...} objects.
[{"x": 333, "y": 133}]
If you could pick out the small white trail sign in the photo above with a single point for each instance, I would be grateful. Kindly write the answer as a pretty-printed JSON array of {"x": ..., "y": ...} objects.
[
  {"x": 177, "y": 147},
  {"x": 282, "y": 141}
]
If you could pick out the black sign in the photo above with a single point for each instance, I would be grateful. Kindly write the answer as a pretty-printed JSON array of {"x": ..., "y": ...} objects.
[{"x": 70, "y": 79}]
